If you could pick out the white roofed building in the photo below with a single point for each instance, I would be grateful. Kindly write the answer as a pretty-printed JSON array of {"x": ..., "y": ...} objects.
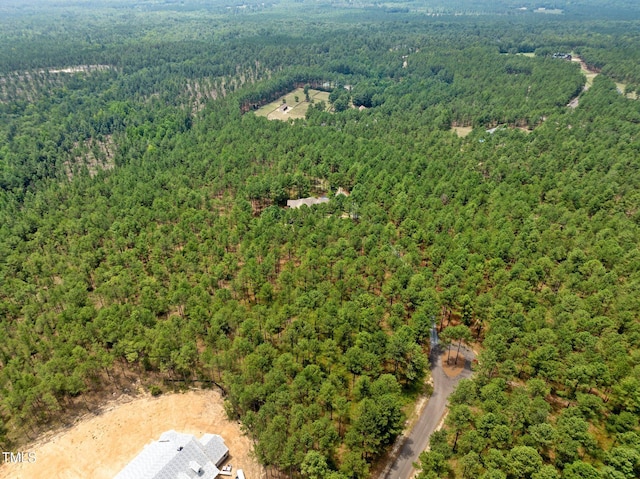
[
  {"x": 178, "y": 456},
  {"x": 214, "y": 447},
  {"x": 307, "y": 201}
]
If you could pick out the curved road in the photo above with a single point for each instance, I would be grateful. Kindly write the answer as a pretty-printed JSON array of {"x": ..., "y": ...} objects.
[{"x": 418, "y": 439}]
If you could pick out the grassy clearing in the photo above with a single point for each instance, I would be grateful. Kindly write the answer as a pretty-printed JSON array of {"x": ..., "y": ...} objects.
[
  {"x": 590, "y": 75},
  {"x": 295, "y": 109},
  {"x": 622, "y": 88},
  {"x": 462, "y": 131}
]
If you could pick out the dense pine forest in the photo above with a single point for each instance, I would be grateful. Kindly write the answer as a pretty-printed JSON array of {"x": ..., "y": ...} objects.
[{"x": 144, "y": 231}]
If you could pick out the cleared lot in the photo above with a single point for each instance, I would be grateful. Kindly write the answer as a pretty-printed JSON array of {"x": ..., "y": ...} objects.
[
  {"x": 100, "y": 446},
  {"x": 295, "y": 109}
]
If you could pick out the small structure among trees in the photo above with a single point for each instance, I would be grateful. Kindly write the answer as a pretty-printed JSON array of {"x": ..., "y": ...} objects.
[
  {"x": 310, "y": 201},
  {"x": 562, "y": 56}
]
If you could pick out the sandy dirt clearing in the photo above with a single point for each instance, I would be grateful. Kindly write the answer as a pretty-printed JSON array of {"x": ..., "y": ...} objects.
[
  {"x": 100, "y": 446},
  {"x": 451, "y": 368}
]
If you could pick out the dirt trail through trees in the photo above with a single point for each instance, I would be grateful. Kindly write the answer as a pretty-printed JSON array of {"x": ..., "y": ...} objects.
[{"x": 588, "y": 73}]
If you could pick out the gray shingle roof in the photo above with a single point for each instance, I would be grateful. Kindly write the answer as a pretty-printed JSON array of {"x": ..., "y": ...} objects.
[
  {"x": 214, "y": 447},
  {"x": 307, "y": 201},
  {"x": 178, "y": 456}
]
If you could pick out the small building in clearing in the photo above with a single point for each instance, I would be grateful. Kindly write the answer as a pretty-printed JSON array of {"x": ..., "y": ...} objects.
[
  {"x": 312, "y": 200},
  {"x": 177, "y": 455},
  {"x": 562, "y": 56}
]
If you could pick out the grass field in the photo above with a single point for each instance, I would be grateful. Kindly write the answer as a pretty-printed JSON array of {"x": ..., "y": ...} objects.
[
  {"x": 622, "y": 88},
  {"x": 295, "y": 109},
  {"x": 462, "y": 131}
]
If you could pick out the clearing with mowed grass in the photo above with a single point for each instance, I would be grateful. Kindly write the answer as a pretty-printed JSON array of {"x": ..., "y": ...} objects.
[
  {"x": 462, "y": 131},
  {"x": 290, "y": 108}
]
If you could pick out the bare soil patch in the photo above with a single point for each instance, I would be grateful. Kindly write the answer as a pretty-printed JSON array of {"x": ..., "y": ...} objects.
[
  {"x": 100, "y": 446},
  {"x": 450, "y": 368}
]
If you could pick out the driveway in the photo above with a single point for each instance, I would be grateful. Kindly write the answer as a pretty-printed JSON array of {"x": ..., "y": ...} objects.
[{"x": 418, "y": 439}]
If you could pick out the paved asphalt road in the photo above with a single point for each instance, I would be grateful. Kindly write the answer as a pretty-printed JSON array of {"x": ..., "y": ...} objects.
[{"x": 418, "y": 439}]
